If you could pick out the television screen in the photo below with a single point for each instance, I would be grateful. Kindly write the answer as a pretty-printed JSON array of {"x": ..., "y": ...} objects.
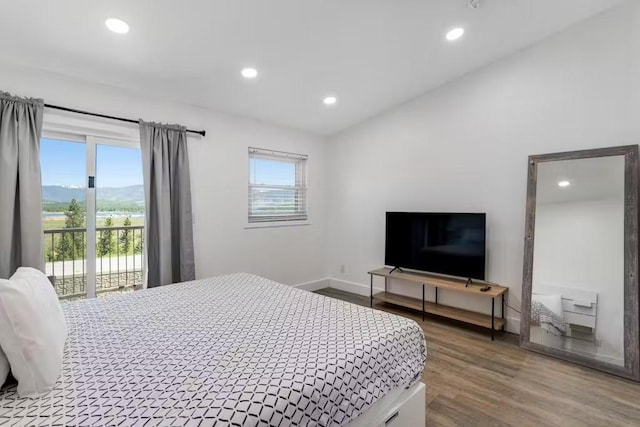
[{"x": 445, "y": 243}]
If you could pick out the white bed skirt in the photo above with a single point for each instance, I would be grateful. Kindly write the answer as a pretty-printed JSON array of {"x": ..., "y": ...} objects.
[{"x": 399, "y": 408}]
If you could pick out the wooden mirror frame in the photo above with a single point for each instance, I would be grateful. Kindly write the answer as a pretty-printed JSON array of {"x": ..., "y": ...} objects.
[{"x": 631, "y": 367}]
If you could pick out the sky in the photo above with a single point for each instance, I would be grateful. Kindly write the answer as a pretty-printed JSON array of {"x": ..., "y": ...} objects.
[
  {"x": 65, "y": 163},
  {"x": 264, "y": 171}
]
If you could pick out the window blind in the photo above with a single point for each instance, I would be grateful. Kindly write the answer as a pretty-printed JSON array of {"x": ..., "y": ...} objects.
[{"x": 277, "y": 186}]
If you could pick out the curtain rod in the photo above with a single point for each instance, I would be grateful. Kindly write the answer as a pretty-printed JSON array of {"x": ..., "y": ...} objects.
[{"x": 104, "y": 116}]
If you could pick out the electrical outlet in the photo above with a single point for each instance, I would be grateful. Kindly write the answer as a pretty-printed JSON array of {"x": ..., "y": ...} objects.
[{"x": 342, "y": 269}]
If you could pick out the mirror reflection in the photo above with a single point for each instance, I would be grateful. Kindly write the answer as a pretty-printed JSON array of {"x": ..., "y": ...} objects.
[{"x": 578, "y": 263}]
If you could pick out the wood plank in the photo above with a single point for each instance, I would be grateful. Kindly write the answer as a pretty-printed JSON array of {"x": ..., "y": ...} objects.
[
  {"x": 442, "y": 282},
  {"x": 401, "y": 300},
  {"x": 478, "y": 319}
]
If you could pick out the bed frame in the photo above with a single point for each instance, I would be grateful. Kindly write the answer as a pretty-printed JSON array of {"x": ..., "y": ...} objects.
[
  {"x": 543, "y": 337},
  {"x": 399, "y": 408}
]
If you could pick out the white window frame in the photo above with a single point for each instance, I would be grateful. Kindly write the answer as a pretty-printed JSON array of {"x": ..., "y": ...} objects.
[{"x": 301, "y": 217}]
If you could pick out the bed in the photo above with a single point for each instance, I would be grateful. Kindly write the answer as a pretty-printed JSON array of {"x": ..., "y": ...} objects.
[
  {"x": 562, "y": 317},
  {"x": 229, "y": 350},
  {"x": 546, "y": 318},
  {"x": 547, "y": 323}
]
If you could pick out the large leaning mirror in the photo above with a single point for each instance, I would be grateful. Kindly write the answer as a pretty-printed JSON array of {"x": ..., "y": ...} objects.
[{"x": 580, "y": 284}]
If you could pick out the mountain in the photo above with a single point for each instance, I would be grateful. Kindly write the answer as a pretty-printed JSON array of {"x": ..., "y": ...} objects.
[
  {"x": 59, "y": 193},
  {"x": 133, "y": 194}
]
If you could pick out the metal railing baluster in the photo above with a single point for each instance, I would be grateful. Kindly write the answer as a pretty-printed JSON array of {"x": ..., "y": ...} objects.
[{"x": 123, "y": 277}]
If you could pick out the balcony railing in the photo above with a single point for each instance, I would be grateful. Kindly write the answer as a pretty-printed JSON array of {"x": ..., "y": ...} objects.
[{"x": 119, "y": 260}]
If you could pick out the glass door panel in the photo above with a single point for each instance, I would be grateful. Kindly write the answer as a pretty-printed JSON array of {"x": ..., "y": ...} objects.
[
  {"x": 119, "y": 219},
  {"x": 63, "y": 165}
]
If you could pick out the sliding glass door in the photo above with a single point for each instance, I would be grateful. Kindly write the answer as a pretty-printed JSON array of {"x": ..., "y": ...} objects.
[{"x": 93, "y": 215}]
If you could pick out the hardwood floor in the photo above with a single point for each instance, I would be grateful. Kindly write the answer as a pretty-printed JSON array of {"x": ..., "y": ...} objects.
[{"x": 472, "y": 381}]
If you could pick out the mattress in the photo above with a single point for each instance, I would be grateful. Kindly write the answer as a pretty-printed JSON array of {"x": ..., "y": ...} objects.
[{"x": 228, "y": 350}]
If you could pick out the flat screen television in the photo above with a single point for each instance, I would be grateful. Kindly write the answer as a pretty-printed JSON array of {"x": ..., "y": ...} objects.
[{"x": 446, "y": 243}]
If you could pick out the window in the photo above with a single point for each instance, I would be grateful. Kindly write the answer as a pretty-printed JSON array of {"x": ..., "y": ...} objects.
[{"x": 277, "y": 186}]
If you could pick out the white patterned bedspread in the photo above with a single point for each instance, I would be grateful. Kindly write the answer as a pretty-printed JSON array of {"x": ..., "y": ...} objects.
[
  {"x": 229, "y": 350},
  {"x": 543, "y": 316}
]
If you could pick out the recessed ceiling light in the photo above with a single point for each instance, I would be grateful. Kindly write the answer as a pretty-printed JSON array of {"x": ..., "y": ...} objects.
[
  {"x": 564, "y": 184},
  {"x": 249, "y": 73},
  {"x": 117, "y": 25},
  {"x": 455, "y": 34},
  {"x": 330, "y": 100}
]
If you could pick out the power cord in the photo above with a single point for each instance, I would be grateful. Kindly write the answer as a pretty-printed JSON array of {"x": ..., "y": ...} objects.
[
  {"x": 506, "y": 303},
  {"x": 514, "y": 309}
]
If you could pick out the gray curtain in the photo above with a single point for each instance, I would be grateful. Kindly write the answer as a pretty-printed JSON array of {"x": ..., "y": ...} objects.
[
  {"x": 167, "y": 188},
  {"x": 21, "y": 239}
]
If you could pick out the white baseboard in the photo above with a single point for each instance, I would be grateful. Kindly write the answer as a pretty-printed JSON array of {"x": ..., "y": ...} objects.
[
  {"x": 355, "y": 288},
  {"x": 314, "y": 285}
]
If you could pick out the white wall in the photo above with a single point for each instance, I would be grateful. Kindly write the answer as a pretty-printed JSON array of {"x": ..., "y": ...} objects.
[
  {"x": 464, "y": 147},
  {"x": 219, "y": 176},
  {"x": 580, "y": 245}
]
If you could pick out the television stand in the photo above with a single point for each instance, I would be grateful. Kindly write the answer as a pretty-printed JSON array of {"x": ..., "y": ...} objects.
[{"x": 470, "y": 288}]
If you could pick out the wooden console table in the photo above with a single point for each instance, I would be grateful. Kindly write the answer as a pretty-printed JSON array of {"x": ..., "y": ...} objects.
[{"x": 479, "y": 319}]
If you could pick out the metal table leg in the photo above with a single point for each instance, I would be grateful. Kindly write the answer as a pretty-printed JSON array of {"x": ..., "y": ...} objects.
[
  {"x": 502, "y": 312},
  {"x": 493, "y": 309},
  {"x": 436, "y": 295},
  {"x": 371, "y": 296},
  {"x": 423, "y": 302}
]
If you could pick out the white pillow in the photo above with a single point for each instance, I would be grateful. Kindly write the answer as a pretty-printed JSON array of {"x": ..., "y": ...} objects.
[
  {"x": 32, "y": 330},
  {"x": 552, "y": 302},
  {"x": 4, "y": 368}
]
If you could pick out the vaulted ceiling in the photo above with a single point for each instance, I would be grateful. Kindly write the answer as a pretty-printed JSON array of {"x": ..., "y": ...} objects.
[{"x": 371, "y": 54}]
